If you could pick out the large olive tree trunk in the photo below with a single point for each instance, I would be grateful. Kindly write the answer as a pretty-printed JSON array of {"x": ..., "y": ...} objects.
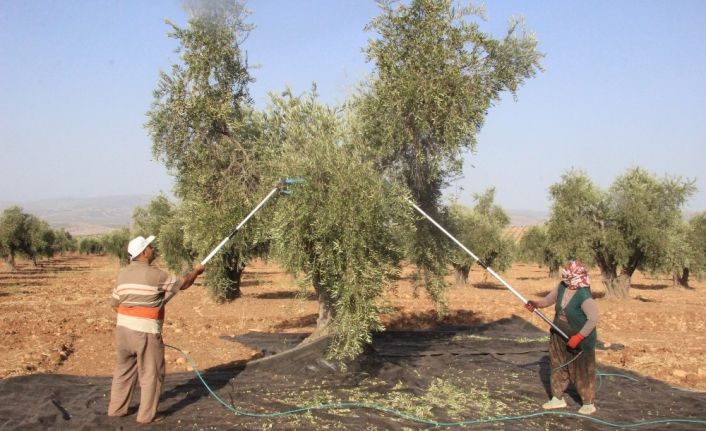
[
  {"x": 681, "y": 280},
  {"x": 461, "y": 272},
  {"x": 617, "y": 285}
]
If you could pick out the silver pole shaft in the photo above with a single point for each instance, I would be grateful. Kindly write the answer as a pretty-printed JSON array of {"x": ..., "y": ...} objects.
[
  {"x": 489, "y": 269},
  {"x": 225, "y": 240},
  {"x": 229, "y": 236}
]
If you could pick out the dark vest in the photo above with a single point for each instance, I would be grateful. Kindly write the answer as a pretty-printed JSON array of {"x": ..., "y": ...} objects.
[{"x": 575, "y": 315}]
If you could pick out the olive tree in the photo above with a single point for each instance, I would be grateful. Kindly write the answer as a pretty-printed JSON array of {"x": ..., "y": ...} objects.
[
  {"x": 341, "y": 229},
  {"x": 14, "y": 234},
  {"x": 535, "y": 247},
  {"x": 482, "y": 229},
  {"x": 629, "y": 227},
  {"x": 115, "y": 244},
  {"x": 41, "y": 239},
  {"x": 90, "y": 245},
  {"x": 204, "y": 129},
  {"x": 65, "y": 242},
  {"x": 687, "y": 251},
  {"x": 435, "y": 76},
  {"x": 165, "y": 220}
]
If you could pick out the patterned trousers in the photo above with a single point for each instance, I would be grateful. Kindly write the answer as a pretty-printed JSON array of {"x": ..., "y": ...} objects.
[{"x": 581, "y": 372}]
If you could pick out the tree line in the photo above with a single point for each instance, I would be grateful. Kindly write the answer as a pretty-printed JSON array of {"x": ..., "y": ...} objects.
[
  {"x": 636, "y": 224},
  {"x": 26, "y": 235}
]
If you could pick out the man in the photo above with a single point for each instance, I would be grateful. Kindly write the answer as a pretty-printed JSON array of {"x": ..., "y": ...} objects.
[{"x": 138, "y": 298}]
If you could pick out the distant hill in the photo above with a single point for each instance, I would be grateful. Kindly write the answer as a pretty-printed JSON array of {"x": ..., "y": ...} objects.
[
  {"x": 89, "y": 216},
  {"x": 526, "y": 217},
  {"x": 85, "y": 216}
]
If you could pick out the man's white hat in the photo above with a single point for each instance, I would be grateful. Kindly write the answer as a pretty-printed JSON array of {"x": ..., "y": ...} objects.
[{"x": 137, "y": 245}]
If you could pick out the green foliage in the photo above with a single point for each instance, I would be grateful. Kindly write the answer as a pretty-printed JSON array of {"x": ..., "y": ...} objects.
[
  {"x": 115, "y": 243},
  {"x": 696, "y": 239},
  {"x": 482, "y": 230},
  {"x": 204, "y": 129},
  {"x": 41, "y": 238},
  {"x": 149, "y": 221},
  {"x": 535, "y": 247},
  {"x": 629, "y": 227},
  {"x": 577, "y": 219},
  {"x": 65, "y": 242},
  {"x": 436, "y": 76},
  {"x": 686, "y": 252},
  {"x": 90, "y": 245},
  {"x": 342, "y": 228},
  {"x": 14, "y": 235},
  {"x": 163, "y": 219},
  {"x": 28, "y": 235}
]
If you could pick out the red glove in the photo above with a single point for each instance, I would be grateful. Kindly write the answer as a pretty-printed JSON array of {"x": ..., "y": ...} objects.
[
  {"x": 575, "y": 340},
  {"x": 530, "y": 306}
]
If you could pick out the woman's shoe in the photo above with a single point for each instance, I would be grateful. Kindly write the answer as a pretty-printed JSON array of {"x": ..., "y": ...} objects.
[
  {"x": 587, "y": 409},
  {"x": 554, "y": 403}
]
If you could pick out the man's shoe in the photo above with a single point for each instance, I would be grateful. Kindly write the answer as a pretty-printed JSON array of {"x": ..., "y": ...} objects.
[
  {"x": 587, "y": 409},
  {"x": 554, "y": 403}
]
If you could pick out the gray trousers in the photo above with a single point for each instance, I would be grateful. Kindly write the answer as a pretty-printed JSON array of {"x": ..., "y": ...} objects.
[{"x": 140, "y": 356}]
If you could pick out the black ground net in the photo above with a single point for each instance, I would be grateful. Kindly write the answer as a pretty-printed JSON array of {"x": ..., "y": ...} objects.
[{"x": 492, "y": 372}]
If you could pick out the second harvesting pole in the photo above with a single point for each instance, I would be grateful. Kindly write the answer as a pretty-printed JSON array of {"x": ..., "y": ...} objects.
[{"x": 489, "y": 269}]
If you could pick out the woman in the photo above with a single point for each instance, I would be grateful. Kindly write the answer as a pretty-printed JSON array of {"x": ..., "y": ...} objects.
[{"x": 572, "y": 361}]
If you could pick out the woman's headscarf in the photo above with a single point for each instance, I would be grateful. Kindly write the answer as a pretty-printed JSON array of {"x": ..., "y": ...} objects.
[{"x": 574, "y": 275}]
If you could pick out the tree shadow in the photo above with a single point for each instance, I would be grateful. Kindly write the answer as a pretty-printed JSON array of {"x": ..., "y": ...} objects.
[
  {"x": 531, "y": 278},
  {"x": 430, "y": 319},
  {"x": 288, "y": 294},
  {"x": 640, "y": 286},
  {"x": 251, "y": 283},
  {"x": 35, "y": 281},
  {"x": 217, "y": 377},
  {"x": 254, "y": 273},
  {"x": 486, "y": 285},
  {"x": 297, "y": 322}
]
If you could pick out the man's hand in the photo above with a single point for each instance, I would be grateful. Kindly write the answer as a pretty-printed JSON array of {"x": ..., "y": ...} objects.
[
  {"x": 199, "y": 268},
  {"x": 531, "y": 306},
  {"x": 574, "y": 341}
]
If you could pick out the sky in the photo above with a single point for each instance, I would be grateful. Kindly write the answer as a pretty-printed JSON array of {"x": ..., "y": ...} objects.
[{"x": 624, "y": 85}]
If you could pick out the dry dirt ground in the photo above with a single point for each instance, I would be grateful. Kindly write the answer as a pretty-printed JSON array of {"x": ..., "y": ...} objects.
[{"x": 55, "y": 318}]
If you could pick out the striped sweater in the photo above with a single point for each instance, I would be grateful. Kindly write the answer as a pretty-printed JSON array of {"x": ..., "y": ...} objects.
[{"x": 138, "y": 296}]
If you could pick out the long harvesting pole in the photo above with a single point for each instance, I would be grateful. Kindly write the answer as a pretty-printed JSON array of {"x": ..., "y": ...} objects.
[
  {"x": 232, "y": 232},
  {"x": 280, "y": 186},
  {"x": 489, "y": 269}
]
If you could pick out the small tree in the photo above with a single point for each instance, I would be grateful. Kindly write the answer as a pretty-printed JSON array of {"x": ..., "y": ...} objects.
[
  {"x": 42, "y": 239},
  {"x": 163, "y": 219},
  {"x": 90, "y": 245},
  {"x": 535, "y": 247},
  {"x": 480, "y": 228},
  {"x": 65, "y": 242},
  {"x": 115, "y": 244},
  {"x": 436, "y": 75},
  {"x": 14, "y": 235},
  {"x": 686, "y": 254}
]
